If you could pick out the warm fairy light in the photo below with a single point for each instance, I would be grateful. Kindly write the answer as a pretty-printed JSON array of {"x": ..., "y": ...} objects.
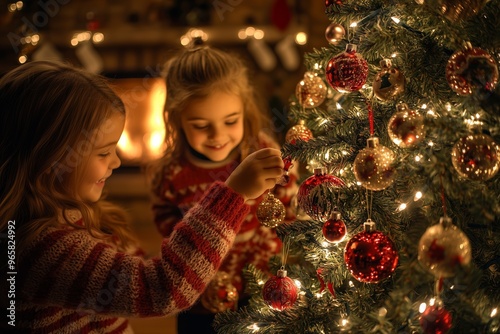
[
  {"x": 35, "y": 39},
  {"x": 395, "y": 19},
  {"x": 319, "y": 295},
  {"x": 394, "y": 55},
  {"x": 261, "y": 282},
  {"x": 327, "y": 155},
  {"x": 424, "y": 106},
  {"x": 22, "y": 59},
  {"x": 344, "y": 152},
  {"x": 344, "y": 322},
  {"x": 351, "y": 284},
  {"x": 432, "y": 301},
  {"x": 242, "y": 34},
  {"x": 402, "y": 206},
  {"x": 358, "y": 183},
  {"x": 15, "y": 6},
  {"x": 422, "y": 307},
  {"x": 430, "y": 143},
  {"x": 448, "y": 106},
  {"x": 191, "y": 34},
  {"x": 353, "y": 25},
  {"x": 493, "y": 312},
  {"x": 382, "y": 312},
  {"x": 254, "y": 327},
  {"x": 317, "y": 66},
  {"x": 250, "y": 31},
  {"x": 431, "y": 113},
  {"x": 418, "y": 157},
  {"x": 339, "y": 107},
  {"x": 323, "y": 122},
  {"x": 418, "y": 195},
  {"x": 259, "y": 34},
  {"x": 297, "y": 283},
  {"x": 98, "y": 37},
  {"x": 301, "y": 38}
]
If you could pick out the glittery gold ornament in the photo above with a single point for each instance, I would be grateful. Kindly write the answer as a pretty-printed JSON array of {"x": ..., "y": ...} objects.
[
  {"x": 389, "y": 82},
  {"x": 271, "y": 211},
  {"x": 373, "y": 166},
  {"x": 443, "y": 248},
  {"x": 476, "y": 157},
  {"x": 334, "y": 33},
  {"x": 457, "y": 10},
  {"x": 298, "y": 132},
  {"x": 406, "y": 126},
  {"x": 311, "y": 90},
  {"x": 220, "y": 294}
]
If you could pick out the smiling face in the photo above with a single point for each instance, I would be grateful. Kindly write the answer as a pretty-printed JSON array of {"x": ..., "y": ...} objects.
[
  {"x": 102, "y": 159},
  {"x": 214, "y": 125}
]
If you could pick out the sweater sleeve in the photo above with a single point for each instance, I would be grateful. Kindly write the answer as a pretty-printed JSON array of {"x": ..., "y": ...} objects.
[{"x": 70, "y": 269}]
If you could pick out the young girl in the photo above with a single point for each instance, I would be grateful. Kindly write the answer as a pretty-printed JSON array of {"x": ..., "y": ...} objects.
[
  {"x": 72, "y": 266},
  {"x": 212, "y": 124}
]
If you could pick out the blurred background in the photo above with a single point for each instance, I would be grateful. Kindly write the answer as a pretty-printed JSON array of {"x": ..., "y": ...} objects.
[{"x": 128, "y": 41}]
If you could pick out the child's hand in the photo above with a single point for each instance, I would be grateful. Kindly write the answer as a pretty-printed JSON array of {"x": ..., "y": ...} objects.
[{"x": 257, "y": 173}]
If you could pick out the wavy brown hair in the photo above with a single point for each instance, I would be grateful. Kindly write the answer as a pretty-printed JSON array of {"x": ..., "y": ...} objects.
[
  {"x": 194, "y": 74},
  {"x": 48, "y": 112}
]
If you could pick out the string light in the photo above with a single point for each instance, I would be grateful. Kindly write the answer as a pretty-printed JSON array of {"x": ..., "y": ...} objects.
[
  {"x": 254, "y": 327},
  {"x": 402, "y": 206},
  {"x": 396, "y": 20},
  {"x": 422, "y": 307},
  {"x": 418, "y": 195},
  {"x": 493, "y": 312},
  {"x": 418, "y": 157}
]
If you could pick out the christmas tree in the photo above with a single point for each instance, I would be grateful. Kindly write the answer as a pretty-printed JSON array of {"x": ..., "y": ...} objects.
[{"x": 398, "y": 220}]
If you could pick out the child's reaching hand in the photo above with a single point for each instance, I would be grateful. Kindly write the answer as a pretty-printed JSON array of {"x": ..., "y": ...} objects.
[{"x": 257, "y": 173}]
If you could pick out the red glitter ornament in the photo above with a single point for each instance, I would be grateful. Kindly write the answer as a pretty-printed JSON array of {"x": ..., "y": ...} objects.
[
  {"x": 370, "y": 255},
  {"x": 316, "y": 201},
  {"x": 328, "y": 3},
  {"x": 285, "y": 178},
  {"x": 280, "y": 292},
  {"x": 471, "y": 69},
  {"x": 435, "y": 320},
  {"x": 347, "y": 71},
  {"x": 334, "y": 229}
]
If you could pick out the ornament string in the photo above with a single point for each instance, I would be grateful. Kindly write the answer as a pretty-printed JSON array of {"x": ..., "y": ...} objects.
[
  {"x": 443, "y": 199},
  {"x": 369, "y": 203},
  {"x": 370, "y": 118},
  {"x": 285, "y": 251}
]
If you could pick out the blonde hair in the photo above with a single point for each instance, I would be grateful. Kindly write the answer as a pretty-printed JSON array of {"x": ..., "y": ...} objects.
[
  {"x": 48, "y": 112},
  {"x": 194, "y": 74}
]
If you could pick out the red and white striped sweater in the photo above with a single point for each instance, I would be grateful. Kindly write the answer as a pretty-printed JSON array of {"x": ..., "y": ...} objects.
[
  {"x": 69, "y": 282},
  {"x": 182, "y": 186}
]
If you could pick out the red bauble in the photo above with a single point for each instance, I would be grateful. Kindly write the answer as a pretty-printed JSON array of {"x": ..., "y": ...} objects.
[
  {"x": 371, "y": 256},
  {"x": 347, "y": 71},
  {"x": 334, "y": 229},
  {"x": 316, "y": 201},
  {"x": 328, "y": 3},
  {"x": 435, "y": 320},
  {"x": 471, "y": 69},
  {"x": 280, "y": 292},
  {"x": 298, "y": 132}
]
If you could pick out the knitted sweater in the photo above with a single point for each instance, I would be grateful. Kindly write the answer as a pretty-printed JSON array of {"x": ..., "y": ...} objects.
[
  {"x": 69, "y": 282},
  {"x": 183, "y": 184}
]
